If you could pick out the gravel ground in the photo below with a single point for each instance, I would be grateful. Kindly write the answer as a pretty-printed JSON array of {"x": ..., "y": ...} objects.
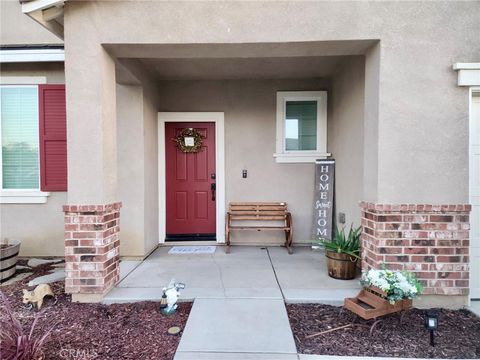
[
  {"x": 95, "y": 331},
  {"x": 458, "y": 335}
]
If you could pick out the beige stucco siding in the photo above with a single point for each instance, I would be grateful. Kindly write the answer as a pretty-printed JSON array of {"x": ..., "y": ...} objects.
[
  {"x": 417, "y": 97},
  {"x": 38, "y": 226},
  {"x": 17, "y": 28},
  {"x": 346, "y": 137},
  {"x": 415, "y": 118},
  {"x": 54, "y": 72},
  {"x": 249, "y": 108},
  {"x": 137, "y": 171},
  {"x": 150, "y": 116},
  {"x": 130, "y": 168}
]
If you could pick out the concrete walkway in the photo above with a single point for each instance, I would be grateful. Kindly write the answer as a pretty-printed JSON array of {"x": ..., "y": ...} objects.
[
  {"x": 248, "y": 272},
  {"x": 239, "y": 299},
  {"x": 238, "y": 326}
]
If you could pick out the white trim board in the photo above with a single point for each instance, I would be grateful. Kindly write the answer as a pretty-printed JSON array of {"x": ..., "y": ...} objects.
[
  {"x": 468, "y": 74},
  {"x": 474, "y": 195},
  {"x": 219, "y": 119},
  {"x": 23, "y": 196},
  {"x": 40, "y": 5},
  {"x": 32, "y": 55}
]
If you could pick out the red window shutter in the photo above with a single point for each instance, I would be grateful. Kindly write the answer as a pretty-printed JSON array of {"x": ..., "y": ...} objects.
[{"x": 53, "y": 138}]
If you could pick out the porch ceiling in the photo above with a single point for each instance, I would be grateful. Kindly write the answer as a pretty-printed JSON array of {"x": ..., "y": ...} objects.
[
  {"x": 243, "y": 68},
  {"x": 234, "y": 61}
]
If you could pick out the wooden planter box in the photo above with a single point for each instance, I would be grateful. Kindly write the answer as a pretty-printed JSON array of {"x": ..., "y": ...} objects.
[
  {"x": 371, "y": 303},
  {"x": 8, "y": 259}
]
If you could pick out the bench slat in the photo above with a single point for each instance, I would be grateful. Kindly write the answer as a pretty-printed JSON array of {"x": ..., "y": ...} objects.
[
  {"x": 249, "y": 212},
  {"x": 258, "y": 208},
  {"x": 257, "y": 203},
  {"x": 260, "y": 217},
  {"x": 259, "y": 228}
]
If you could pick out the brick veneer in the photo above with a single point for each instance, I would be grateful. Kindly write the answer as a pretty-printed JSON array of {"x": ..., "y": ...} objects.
[
  {"x": 91, "y": 248},
  {"x": 430, "y": 240}
]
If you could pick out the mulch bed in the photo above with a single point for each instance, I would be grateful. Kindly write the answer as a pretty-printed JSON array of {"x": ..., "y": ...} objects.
[
  {"x": 458, "y": 335},
  {"x": 96, "y": 331}
]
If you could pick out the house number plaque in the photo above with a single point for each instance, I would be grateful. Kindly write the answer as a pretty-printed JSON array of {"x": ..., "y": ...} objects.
[{"x": 323, "y": 199}]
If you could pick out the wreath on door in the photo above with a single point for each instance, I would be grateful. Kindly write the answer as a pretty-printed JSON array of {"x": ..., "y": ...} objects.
[{"x": 189, "y": 141}]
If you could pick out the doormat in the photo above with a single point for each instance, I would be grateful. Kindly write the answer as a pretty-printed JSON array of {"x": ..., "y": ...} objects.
[{"x": 192, "y": 250}]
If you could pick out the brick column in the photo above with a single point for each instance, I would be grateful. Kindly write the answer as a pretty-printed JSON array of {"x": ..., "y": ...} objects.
[
  {"x": 91, "y": 250},
  {"x": 430, "y": 240}
]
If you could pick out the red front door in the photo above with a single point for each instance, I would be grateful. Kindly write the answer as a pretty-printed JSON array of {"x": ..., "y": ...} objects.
[{"x": 191, "y": 209}]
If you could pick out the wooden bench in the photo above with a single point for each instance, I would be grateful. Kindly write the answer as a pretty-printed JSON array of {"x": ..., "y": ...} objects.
[{"x": 249, "y": 212}]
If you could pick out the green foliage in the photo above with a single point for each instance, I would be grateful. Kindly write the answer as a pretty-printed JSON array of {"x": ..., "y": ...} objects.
[
  {"x": 343, "y": 243},
  {"x": 398, "y": 285}
]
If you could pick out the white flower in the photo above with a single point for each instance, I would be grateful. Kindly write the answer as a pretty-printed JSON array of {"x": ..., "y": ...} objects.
[{"x": 396, "y": 284}]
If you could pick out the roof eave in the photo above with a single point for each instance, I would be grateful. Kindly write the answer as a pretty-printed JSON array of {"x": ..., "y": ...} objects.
[{"x": 47, "y": 13}]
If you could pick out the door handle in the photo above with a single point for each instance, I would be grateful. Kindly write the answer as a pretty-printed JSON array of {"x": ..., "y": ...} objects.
[{"x": 213, "y": 188}]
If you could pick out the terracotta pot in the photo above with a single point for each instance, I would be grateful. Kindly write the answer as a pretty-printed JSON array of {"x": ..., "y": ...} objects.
[
  {"x": 341, "y": 266},
  {"x": 8, "y": 259}
]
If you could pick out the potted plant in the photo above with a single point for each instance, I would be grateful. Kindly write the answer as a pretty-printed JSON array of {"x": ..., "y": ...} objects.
[
  {"x": 384, "y": 292},
  {"x": 342, "y": 253},
  {"x": 396, "y": 285},
  {"x": 8, "y": 258}
]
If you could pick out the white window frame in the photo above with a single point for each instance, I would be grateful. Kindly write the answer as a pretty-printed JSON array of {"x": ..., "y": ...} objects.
[
  {"x": 301, "y": 156},
  {"x": 21, "y": 196}
]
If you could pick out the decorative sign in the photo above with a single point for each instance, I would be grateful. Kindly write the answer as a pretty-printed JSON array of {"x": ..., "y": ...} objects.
[
  {"x": 189, "y": 141},
  {"x": 323, "y": 199}
]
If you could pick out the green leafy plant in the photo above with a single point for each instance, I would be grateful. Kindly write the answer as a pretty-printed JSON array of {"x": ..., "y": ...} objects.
[
  {"x": 398, "y": 285},
  {"x": 343, "y": 243}
]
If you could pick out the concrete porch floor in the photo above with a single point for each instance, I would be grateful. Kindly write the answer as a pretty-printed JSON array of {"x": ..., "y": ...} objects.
[{"x": 247, "y": 272}]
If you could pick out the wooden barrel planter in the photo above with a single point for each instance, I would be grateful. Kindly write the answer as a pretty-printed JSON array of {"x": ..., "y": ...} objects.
[
  {"x": 341, "y": 266},
  {"x": 8, "y": 259}
]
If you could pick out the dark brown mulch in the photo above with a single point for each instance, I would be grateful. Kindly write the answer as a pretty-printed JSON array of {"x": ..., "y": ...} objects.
[
  {"x": 96, "y": 331},
  {"x": 458, "y": 335}
]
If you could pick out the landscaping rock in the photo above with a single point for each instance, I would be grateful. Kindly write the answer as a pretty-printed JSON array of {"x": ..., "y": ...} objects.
[
  {"x": 22, "y": 267},
  {"x": 36, "y": 262},
  {"x": 57, "y": 275},
  {"x": 16, "y": 278}
]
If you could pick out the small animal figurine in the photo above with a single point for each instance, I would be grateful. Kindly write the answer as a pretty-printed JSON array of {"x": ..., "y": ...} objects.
[
  {"x": 171, "y": 293},
  {"x": 37, "y": 295}
]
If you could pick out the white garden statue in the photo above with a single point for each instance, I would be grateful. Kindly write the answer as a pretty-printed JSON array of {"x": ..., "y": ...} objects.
[{"x": 170, "y": 296}]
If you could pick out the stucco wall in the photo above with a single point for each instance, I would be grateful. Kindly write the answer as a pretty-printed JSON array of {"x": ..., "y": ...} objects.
[
  {"x": 346, "y": 135},
  {"x": 53, "y": 72},
  {"x": 422, "y": 114},
  {"x": 250, "y": 118},
  {"x": 130, "y": 168},
  {"x": 38, "y": 226},
  {"x": 17, "y": 28},
  {"x": 250, "y": 131},
  {"x": 137, "y": 171},
  {"x": 150, "y": 116}
]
